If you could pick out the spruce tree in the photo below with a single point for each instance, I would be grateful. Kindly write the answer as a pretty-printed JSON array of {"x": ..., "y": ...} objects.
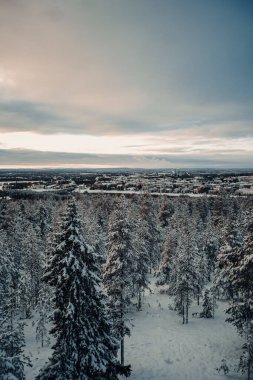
[
  {"x": 12, "y": 358},
  {"x": 228, "y": 258},
  {"x": 184, "y": 280},
  {"x": 12, "y": 341},
  {"x": 151, "y": 231},
  {"x": 119, "y": 270},
  {"x": 207, "y": 306},
  {"x": 142, "y": 262},
  {"x": 241, "y": 278},
  {"x": 84, "y": 347},
  {"x": 241, "y": 310},
  {"x": 246, "y": 359},
  {"x": 43, "y": 308},
  {"x": 168, "y": 253}
]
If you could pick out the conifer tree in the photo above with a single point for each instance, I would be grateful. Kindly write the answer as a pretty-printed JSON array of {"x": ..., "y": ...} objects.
[
  {"x": 228, "y": 258},
  {"x": 84, "y": 347},
  {"x": 142, "y": 261},
  {"x": 246, "y": 359},
  {"x": 12, "y": 358},
  {"x": 241, "y": 310},
  {"x": 151, "y": 230},
  {"x": 241, "y": 278},
  {"x": 165, "y": 213},
  {"x": 12, "y": 342},
  {"x": 168, "y": 253},
  {"x": 119, "y": 270},
  {"x": 43, "y": 308},
  {"x": 41, "y": 329},
  {"x": 207, "y": 306},
  {"x": 184, "y": 279}
]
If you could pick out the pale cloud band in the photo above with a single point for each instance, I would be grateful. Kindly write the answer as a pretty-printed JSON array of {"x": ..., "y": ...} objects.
[{"x": 28, "y": 158}]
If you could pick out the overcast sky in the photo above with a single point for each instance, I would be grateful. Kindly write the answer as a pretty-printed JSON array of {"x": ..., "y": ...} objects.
[{"x": 133, "y": 83}]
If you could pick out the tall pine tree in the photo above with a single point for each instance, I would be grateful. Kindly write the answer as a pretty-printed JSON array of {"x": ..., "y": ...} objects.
[
  {"x": 241, "y": 310},
  {"x": 119, "y": 270},
  {"x": 84, "y": 347},
  {"x": 12, "y": 341}
]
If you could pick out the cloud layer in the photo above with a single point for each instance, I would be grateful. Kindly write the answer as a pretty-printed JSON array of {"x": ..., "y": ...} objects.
[
  {"x": 170, "y": 70},
  {"x": 31, "y": 158}
]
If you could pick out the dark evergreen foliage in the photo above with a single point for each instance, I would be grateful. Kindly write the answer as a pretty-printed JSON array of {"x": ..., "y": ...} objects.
[
  {"x": 207, "y": 311},
  {"x": 84, "y": 347},
  {"x": 119, "y": 271}
]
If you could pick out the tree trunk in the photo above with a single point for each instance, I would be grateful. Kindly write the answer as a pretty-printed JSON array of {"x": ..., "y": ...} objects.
[
  {"x": 122, "y": 328},
  {"x": 139, "y": 300},
  {"x": 122, "y": 351},
  {"x": 187, "y": 306},
  {"x": 183, "y": 315},
  {"x": 133, "y": 289},
  {"x": 187, "y": 310}
]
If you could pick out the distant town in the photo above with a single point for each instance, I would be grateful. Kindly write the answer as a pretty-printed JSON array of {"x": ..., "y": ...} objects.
[{"x": 171, "y": 182}]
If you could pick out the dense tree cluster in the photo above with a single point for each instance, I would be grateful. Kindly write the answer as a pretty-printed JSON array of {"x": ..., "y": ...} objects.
[{"x": 86, "y": 262}]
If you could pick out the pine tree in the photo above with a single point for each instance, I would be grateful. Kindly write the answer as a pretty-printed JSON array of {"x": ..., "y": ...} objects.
[
  {"x": 241, "y": 278},
  {"x": 41, "y": 329},
  {"x": 241, "y": 310},
  {"x": 12, "y": 358},
  {"x": 228, "y": 258},
  {"x": 207, "y": 306},
  {"x": 165, "y": 213},
  {"x": 119, "y": 270},
  {"x": 43, "y": 308},
  {"x": 151, "y": 231},
  {"x": 84, "y": 348},
  {"x": 12, "y": 341},
  {"x": 202, "y": 276},
  {"x": 168, "y": 253},
  {"x": 210, "y": 245},
  {"x": 184, "y": 279},
  {"x": 31, "y": 266},
  {"x": 246, "y": 360},
  {"x": 142, "y": 261}
]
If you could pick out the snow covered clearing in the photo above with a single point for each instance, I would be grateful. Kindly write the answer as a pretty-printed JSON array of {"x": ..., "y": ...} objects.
[{"x": 161, "y": 348}]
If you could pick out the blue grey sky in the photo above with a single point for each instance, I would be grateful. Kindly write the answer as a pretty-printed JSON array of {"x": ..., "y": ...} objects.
[{"x": 150, "y": 83}]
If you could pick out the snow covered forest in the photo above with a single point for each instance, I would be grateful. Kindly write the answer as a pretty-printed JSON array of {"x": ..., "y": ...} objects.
[{"x": 84, "y": 280}]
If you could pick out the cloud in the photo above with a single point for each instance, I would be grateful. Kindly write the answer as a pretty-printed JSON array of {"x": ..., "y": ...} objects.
[
  {"x": 173, "y": 70},
  {"x": 20, "y": 116},
  {"x": 42, "y": 118},
  {"x": 21, "y": 157},
  {"x": 126, "y": 57}
]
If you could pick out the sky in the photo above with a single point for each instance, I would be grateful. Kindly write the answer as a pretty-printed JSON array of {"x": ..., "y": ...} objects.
[{"x": 126, "y": 83}]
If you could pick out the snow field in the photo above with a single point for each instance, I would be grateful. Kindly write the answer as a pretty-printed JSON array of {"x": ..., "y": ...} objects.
[
  {"x": 161, "y": 348},
  {"x": 33, "y": 348}
]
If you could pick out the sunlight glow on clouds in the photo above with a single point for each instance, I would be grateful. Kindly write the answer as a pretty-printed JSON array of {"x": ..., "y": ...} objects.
[
  {"x": 127, "y": 78},
  {"x": 73, "y": 143}
]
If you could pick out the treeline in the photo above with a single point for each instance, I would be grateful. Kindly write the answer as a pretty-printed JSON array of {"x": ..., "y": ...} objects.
[{"x": 82, "y": 265}]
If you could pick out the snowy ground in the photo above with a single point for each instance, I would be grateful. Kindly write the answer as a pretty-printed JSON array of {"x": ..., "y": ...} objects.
[
  {"x": 37, "y": 354},
  {"x": 161, "y": 348}
]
